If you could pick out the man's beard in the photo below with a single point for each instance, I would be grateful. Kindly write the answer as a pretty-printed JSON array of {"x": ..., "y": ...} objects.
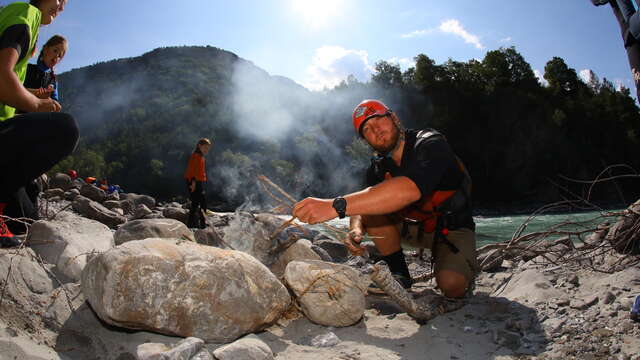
[{"x": 386, "y": 149}]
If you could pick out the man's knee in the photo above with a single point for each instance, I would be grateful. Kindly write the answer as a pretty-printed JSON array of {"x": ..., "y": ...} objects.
[
  {"x": 64, "y": 132},
  {"x": 452, "y": 284},
  {"x": 70, "y": 132}
]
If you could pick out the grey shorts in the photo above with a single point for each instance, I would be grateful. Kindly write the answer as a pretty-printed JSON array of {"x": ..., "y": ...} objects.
[{"x": 464, "y": 262}]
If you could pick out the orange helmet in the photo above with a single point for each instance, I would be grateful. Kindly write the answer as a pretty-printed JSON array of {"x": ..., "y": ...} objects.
[{"x": 366, "y": 110}]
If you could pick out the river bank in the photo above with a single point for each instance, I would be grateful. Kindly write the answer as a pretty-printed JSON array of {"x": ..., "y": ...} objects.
[{"x": 557, "y": 305}]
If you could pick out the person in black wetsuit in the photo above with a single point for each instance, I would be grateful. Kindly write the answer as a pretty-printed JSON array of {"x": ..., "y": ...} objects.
[
  {"x": 628, "y": 18},
  {"x": 30, "y": 144}
]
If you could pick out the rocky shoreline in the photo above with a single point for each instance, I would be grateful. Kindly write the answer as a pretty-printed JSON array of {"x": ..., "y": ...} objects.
[{"x": 121, "y": 277}]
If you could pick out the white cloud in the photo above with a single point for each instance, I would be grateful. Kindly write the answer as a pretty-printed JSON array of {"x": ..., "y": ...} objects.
[
  {"x": 332, "y": 64},
  {"x": 404, "y": 63},
  {"x": 619, "y": 83},
  {"x": 540, "y": 77},
  {"x": 505, "y": 40},
  {"x": 585, "y": 75},
  {"x": 451, "y": 26},
  {"x": 418, "y": 33},
  {"x": 454, "y": 27}
]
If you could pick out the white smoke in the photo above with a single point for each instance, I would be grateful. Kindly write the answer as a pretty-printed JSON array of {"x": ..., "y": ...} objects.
[
  {"x": 260, "y": 110},
  {"x": 334, "y": 64}
]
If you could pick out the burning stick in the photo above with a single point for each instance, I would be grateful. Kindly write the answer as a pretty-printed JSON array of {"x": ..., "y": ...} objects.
[
  {"x": 282, "y": 205},
  {"x": 281, "y": 246},
  {"x": 269, "y": 182},
  {"x": 281, "y": 228},
  {"x": 264, "y": 181},
  {"x": 381, "y": 274}
]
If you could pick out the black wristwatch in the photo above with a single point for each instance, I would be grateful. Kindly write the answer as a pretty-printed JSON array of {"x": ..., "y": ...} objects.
[{"x": 340, "y": 204}]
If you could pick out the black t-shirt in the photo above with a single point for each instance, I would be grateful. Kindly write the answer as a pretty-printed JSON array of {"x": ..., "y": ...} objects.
[
  {"x": 16, "y": 37},
  {"x": 427, "y": 160},
  {"x": 36, "y": 78},
  {"x": 431, "y": 164}
]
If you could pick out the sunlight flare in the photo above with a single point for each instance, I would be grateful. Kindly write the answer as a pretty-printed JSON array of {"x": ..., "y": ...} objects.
[{"x": 317, "y": 13}]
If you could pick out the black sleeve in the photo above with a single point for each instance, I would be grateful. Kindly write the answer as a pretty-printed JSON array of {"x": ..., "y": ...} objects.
[
  {"x": 379, "y": 167},
  {"x": 435, "y": 166},
  {"x": 371, "y": 178},
  {"x": 16, "y": 37},
  {"x": 33, "y": 79}
]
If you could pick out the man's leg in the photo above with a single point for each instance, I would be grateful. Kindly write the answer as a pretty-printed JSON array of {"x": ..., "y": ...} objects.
[
  {"x": 30, "y": 145},
  {"x": 626, "y": 8},
  {"x": 21, "y": 206},
  {"x": 386, "y": 236},
  {"x": 202, "y": 199},
  {"x": 452, "y": 283},
  {"x": 456, "y": 271},
  {"x": 193, "y": 210},
  {"x": 384, "y": 232}
]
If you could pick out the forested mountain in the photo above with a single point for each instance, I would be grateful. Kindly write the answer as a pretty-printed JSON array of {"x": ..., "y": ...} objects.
[{"x": 140, "y": 118}]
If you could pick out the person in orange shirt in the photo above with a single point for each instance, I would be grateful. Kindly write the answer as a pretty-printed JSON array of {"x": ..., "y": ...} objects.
[{"x": 196, "y": 176}]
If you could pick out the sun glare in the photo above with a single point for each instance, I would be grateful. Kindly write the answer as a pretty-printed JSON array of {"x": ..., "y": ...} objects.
[{"x": 317, "y": 13}]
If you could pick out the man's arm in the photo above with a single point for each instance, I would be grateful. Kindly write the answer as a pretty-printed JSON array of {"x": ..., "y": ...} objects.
[
  {"x": 13, "y": 93},
  {"x": 356, "y": 234},
  {"x": 387, "y": 197}
]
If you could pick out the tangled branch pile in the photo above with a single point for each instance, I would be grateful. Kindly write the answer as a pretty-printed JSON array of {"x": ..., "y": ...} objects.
[{"x": 581, "y": 244}]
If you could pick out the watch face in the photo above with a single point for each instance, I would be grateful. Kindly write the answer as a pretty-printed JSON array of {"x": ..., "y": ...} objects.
[{"x": 340, "y": 204}]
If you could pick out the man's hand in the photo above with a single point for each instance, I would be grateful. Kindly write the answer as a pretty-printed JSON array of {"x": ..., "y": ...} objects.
[
  {"x": 352, "y": 242},
  {"x": 48, "y": 105},
  {"x": 42, "y": 93},
  {"x": 314, "y": 210},
  {"x": 192, "y": 186}
]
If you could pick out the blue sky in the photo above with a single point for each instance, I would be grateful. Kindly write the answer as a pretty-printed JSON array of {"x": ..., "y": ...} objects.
[{"x": 319, "y": 42}]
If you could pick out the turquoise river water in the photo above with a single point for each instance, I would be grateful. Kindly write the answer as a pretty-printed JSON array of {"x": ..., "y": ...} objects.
[{"x": 492, "y": 229}]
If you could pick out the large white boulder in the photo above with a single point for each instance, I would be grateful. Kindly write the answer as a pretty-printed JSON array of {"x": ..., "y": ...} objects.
[
  {"x": 300, "y": 250},
  {"x": 182, "y": 288},
  {"x": 94, "y": 210},
  {"x": 152, "y": 228},
  {"x": 66, "y": 241},
  {"x": 531, "y": 285},
  {"x": 329, "y": 294}
]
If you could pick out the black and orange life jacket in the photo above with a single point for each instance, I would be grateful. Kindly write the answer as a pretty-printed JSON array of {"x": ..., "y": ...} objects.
[
  {"x": 439, "y": 203},
  {"x": 432, "y": 207}
]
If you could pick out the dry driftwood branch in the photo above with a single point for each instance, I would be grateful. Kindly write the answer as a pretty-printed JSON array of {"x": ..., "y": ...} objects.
[
  {"x": 284, "y": 202},
  {"x": 19, "y": 251},
  {"x": 277, "y": 247},
  {"x": 548, "y": 246},
  {"x": 266, "y": 180},
  {"x": 60, "y": 284},
  {"x": 421, "y": 312},
  {"x": 52, "y": 217},
  {"x": 14, "y": 252}
]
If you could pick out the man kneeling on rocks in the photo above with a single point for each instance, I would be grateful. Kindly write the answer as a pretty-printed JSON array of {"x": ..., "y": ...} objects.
[{"x": 418, "y": 192}]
